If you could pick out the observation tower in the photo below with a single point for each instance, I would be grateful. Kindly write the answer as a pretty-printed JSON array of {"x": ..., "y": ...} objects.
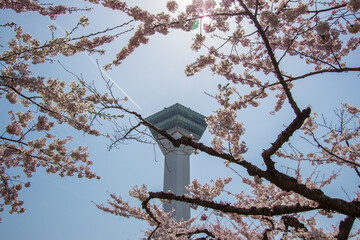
[{"x": 178, "y": 121}]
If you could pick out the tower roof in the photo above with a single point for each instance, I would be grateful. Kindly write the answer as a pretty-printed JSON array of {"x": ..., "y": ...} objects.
[{"x": 178, "y": 118}]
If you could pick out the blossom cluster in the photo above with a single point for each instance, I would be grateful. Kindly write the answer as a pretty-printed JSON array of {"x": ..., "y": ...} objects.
[
  {"x": 25, "y": 47},
  {"x": 341, "y": 144},
  {"x": 169, "y": 226},
  {"x": 28, "y": 142},
  {"x": 35, "y": 6},
  {"x": 207, "y": 192},
  {"x": 225, "y": 128}
]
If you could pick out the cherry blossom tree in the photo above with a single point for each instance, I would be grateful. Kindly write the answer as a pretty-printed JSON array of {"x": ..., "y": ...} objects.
[
  {"x": 28, "y": 141},
  {"x": 256, "y": 37}
]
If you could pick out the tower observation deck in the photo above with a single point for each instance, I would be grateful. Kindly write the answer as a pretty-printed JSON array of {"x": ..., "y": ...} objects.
[{"x": 177, "y": 121}]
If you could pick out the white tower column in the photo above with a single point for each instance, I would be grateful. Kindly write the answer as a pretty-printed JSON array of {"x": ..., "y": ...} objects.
[
  {"x": 176, "y": 175},
  {"x": 177, "y": 121}
]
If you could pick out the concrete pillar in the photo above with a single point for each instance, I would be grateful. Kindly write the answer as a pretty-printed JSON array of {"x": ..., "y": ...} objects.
[
  {"x": 176, "y": 175},
  {"x": 178, "y": 121}
]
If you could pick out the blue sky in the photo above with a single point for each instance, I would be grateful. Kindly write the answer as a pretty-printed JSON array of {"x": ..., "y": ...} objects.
[{"x": 153, "y": 77}]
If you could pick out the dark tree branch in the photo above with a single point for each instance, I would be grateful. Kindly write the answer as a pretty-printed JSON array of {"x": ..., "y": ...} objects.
[
  {"x": 346, "y": 69},
  {"x": 198, "y": 231},
  {"x": 284, "y": 137},
  {"x": 290, "y": 221},
  {"x": 345, "y": 228},
  {"x": 146, "y": 208},
  {"x": 124, "y": 136},
  {"x": 11, "y": 140},
  {"x": 227, "y": 208},
  {"x": 328, "y": 9}
]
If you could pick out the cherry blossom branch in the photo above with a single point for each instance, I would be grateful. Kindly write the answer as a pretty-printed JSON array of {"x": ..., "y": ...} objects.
[
  {"x": 334, "y": 155},
  {"x": 328, "y": 9},
  {"x": 108, "y": 30},
  {"x": 227, "y": 208},
  {"x": 28, "y": 98},
  {"x": 336, "y": 58},
  {"x": 67, "y": 41},
  {"x": 315, "y": 59},
  {"x": 36, "y": 6},
  {"x": 272, "y": 58},
  {"x": 297, "y": 33},
  {"x": 201, "y": 16},
  {"x": 44, "y": 109},
  {"x": 336, "y": 70},
  {"x": 289, "y": 47},
  {"x": 125, "y": 136},
  {"x": 11, "y": 140},
  {"x": 32, "y": 156}
]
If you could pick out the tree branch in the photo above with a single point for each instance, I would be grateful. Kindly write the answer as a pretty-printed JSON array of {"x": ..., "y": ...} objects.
[
  {"x": 227, "y": 208},
  {"x": 284, "y": 137},
  {"x": 290, "y": 79},
  {"x": 198, "y": 231},
  {"x": 145, "y": 207},
  {"x": 272, "y": 58},
  {"x": 328, "y": 9},
  {"x": 345, "y": 228}
]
